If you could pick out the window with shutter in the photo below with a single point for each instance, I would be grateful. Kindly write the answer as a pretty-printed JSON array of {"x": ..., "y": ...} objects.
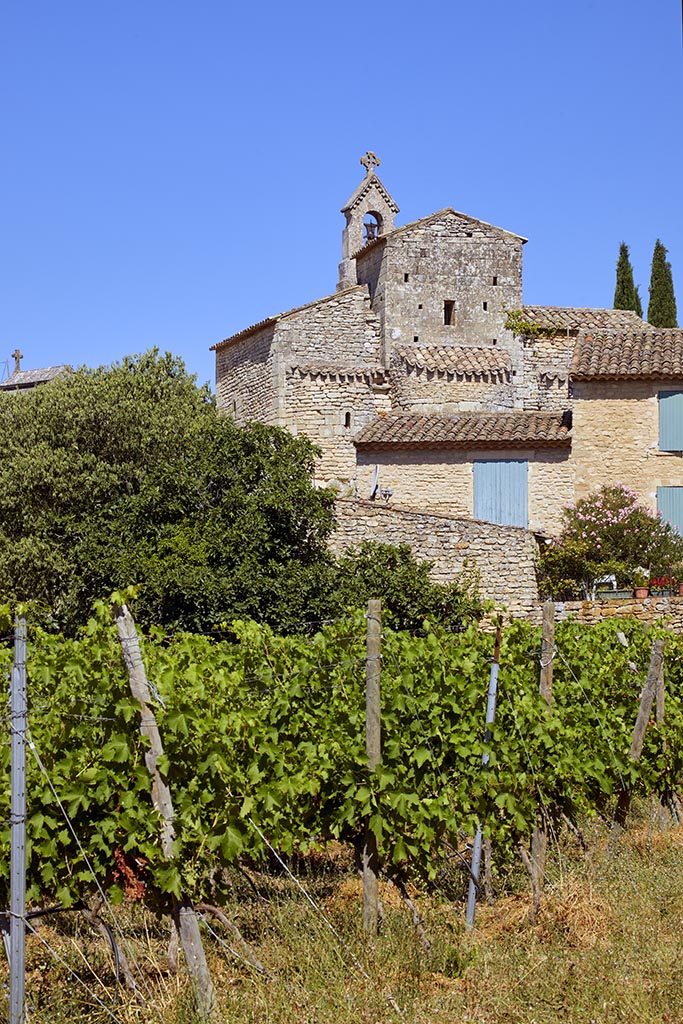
[
  {"x": 670, "y": 504},
  {"x": 501, "y": 491},
  {"x": 670, "y": 421}
]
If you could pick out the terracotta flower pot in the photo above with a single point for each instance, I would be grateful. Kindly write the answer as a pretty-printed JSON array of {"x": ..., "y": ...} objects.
[{"x": 641, "y": 593}]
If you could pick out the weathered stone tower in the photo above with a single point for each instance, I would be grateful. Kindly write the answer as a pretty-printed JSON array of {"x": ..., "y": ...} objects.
[{"x": 369, "y": 213}]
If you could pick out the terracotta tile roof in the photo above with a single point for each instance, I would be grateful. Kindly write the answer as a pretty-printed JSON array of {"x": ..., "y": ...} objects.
[
  {"x": 458, "y": 359},
  {"x": 23, "y": 379},
  {"x": 568, "y": 318},
  {"x": 471, "y": 429},
  {"x": 648, "y": 354},
  {"x": 288, "y": 312}
]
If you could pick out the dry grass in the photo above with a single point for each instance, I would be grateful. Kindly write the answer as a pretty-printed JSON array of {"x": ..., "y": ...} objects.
[{"x": 605, "y": 949}]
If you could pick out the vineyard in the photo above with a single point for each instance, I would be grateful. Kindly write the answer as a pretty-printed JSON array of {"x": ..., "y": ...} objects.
[{"x": 265, "y": 756}]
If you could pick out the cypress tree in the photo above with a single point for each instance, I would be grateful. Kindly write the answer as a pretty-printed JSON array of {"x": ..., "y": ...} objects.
[
  {"x": 626, "y": 294},
  {"x": 661, "y": 310}
]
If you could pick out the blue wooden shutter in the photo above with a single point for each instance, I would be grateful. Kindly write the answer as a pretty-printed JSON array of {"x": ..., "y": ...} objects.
[
  {"x": 670, "y": 504},
  {"x": 671, "y": 421},
  {"x": 501, "y": 491}
]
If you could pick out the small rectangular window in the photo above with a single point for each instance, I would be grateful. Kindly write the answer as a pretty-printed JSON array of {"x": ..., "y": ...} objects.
[
  {"x": 485, "y": 305},
  {"x": 419, "y": 305},
  {"x": 495, "y": 279},
  {"x": 406, "y": 277},
  {"x": 469, "y": 234},
  {"x": 416, "y": 338},
  {"x": 449, "y": 312}
]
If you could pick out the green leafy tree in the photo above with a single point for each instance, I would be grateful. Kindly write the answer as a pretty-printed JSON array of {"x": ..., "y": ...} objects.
[
  {"x": 661, "y": 310},
  {"x": 608, "y": 532},
  {"x": 127, "y": 474},
  {"x": 626, "y": 295},
  {"x": 408, "y": 595}
]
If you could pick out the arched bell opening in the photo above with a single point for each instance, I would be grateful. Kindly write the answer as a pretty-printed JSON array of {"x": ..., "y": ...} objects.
[{"x": 372, "y": 226}]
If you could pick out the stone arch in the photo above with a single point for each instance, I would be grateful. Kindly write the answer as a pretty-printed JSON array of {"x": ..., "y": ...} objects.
[{"x": 373, "y": 225}]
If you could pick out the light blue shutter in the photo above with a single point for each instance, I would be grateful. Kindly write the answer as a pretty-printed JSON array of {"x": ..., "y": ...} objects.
[
  {"x": 501, "y": 491},
  {"x": 671, "y": 421},
  {"x": 670, "y": 504}
]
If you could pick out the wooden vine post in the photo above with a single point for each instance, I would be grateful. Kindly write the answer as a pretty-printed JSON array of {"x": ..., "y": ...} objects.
[
  {"x": 644, "y": 709},
  {"x": 665, "y": 800},
  {"x": 184, "y": 916},
  {"x": 373, "y": 746},
  {"x": 539, "y": 836}
]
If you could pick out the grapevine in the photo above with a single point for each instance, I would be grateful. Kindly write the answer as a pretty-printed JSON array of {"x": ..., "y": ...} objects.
[{"x": 268, "y": 731}]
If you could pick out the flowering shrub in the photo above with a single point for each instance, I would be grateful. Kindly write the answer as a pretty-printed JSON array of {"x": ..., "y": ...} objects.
[{"x": 608, "y": 533}]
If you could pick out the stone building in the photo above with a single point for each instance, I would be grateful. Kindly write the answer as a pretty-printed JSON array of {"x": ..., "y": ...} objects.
[
  {"x": 427, "y": 383},
  {"x": 25, "y": 380}
]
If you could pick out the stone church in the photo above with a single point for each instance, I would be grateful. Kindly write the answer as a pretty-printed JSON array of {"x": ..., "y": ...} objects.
[{"x": 434, "y": 392}]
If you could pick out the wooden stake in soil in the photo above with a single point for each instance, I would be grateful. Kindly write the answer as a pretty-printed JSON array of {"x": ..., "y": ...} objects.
[
  {"x": 547, "y": 652},
  {"x": 183, "y": 912},
  {"x": 535, "y": 864},
  {"x": 665, "y": 809},
  {"x": 646, "y": 699},
  {"x": 373, "y": 749}
]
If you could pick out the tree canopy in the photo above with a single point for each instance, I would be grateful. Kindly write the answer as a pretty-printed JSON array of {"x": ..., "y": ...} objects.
[
  {"x": 609, "y": 532},
  {"x": 626, "y": 294},
  {"x": 127, "y": 475},
  {"x": 661, "y": 310}
]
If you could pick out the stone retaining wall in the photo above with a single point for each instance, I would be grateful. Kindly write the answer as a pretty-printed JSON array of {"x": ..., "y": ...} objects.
[
  {"x": 504, "y": 555},
  {"x": 652, "y": 609}
]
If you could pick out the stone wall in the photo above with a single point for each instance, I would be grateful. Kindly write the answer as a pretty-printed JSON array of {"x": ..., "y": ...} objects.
[
  {"x": 615, "y": 439},
  {"x": 329, "y": 407},
  {"x": 441, "y": 391},
  {"x": 447, "y": 258},
  {"x": 504, "y": 555},
  {"x": 246, "y": 381},
  {"x": 666, "y": 610},
  {"x": 340, "y": 329},
  {"x": 442, "y": 480}
]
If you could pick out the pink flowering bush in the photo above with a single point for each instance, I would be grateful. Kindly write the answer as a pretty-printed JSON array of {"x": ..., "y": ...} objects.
[{"x": 607, "y": 533}]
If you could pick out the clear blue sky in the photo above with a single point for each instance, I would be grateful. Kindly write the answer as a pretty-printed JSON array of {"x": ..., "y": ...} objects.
[{"x": 173, "y": 172}]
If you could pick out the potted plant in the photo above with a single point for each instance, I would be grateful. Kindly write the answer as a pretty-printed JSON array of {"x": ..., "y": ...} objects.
[{"x": 640, "y": 580}]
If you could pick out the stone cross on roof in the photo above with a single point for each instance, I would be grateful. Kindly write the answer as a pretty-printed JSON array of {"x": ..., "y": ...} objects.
[
  {"x": 17, "y": 356},
  {"x": 369, "y": 162}
]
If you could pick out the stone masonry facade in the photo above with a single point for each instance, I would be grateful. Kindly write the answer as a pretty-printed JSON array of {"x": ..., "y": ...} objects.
[
  {"x": 428, "y": 385},
  {"x": 504, "y": 557}
]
